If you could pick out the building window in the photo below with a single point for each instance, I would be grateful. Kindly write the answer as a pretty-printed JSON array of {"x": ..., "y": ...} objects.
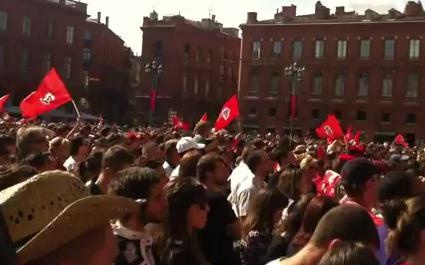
[
  {"x": 342, "y": 49},
  {"x": 70, "y": 35},
  {"x": 252, "y": 112},
  {"x": 207, "y": 87},
  {"x": 412, "y": 85},
  {"x": 3, "y": 21},
  {"x": 196, "y": 86},
  {"x": 415, "y": 46},
  {"x": 187, "y": 52},
  {"x": 209, "y": 57},
  {"x": 184, "y": 84},
  {"x": 86, "y": 54},
  {"x": 339, "y": 85},
  {"x": 254, "y": 84},
  {"x": 338, "y": 114},
  {"x": 411, "y": 118},
  {"x": 315, "y": 114},
  {"x": 298, "y": 50},
  {"x": 389, "y": 49},
  {"x": 386, "y": 118},
  {"x": 277, "y": 48},
  {"x": 272, "y": 112},
  {"x": 26, "y": 26},
  {"x": 48, "y": 60},
  {"x": 2, "y": 58},
  {"x": 197, "y": 55},
  {"x": 387, "y": 86},
  {"x": 363, "y": 85},
  {"x": 50, "y": 30},
  {"x": 275, "y": 84},
  {"x": 256, "y": 50},
  {"x": 67, "y": 67},
  {"x": 320, "y": 49},
  {"x": 25, "y": 60},
  {"x": 87, "y": 36},
  {"x": 229, "y": 73},
  {"x": 364, "y": 49},
  {"x": 361, "y": 115},
  {"x": 222, "y": 72},
  {"x": 317, "y": 84}
]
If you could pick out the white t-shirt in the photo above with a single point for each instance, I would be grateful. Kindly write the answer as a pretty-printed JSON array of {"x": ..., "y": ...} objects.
[
  {"x": 71, "y": 165},
  {"x": 168, "y": 169},
  {"x": 175, "y": 173},
  {"x": 239, "y": 174},
  {"x": 245, "y": 194}
]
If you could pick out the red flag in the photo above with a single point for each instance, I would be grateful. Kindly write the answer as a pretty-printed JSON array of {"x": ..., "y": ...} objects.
[
  {"x": 356, "y": 138},
  {"x": 349, "y": 135},
  {"x": 204, "y": 117},
  {"x": 3, "y": 101},
  {"x": 50, "y": 95},
  {"x": 399, "y": 139},
  {"x": 180, "y": 124},
  {"x": 330, "y": 129},
  {"x": 321, "y": 153},
  {"x": 228, "y": 113},
  {"x": 293, "y": 106},
  {"x": 153, "y": 94}
]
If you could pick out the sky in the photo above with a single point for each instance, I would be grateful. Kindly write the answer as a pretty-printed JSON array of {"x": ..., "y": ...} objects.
[{"x": 126, "y": 16}]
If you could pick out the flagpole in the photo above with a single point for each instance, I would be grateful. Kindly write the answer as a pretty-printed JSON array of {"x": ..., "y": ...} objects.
[
  {"x": 76, "y": 109},
  {"x": 293, "y": 73}
]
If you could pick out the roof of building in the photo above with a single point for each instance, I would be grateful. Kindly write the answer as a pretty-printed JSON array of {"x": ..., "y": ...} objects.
[
  {"x": 71, "y": 4},
  {"x": 208, "y": 24},
  {"x": 413, "y": 12}
]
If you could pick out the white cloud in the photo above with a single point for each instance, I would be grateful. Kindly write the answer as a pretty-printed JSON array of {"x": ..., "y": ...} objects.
[{"x": 126, "y": 16}]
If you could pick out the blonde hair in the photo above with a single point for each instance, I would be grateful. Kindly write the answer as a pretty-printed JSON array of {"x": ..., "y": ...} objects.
[
  {"x": 308, "y": 162},
  {"x": 58, "y": 142},
  {"x": 405, "y": 238}
]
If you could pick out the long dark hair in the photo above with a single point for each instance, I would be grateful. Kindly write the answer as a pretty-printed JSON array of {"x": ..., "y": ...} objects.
[
  {"x": 181, "y": 194},
  {"x": 315, "y": 210},
  {"x": 260, "y": 216},
  {"x": 289, "y": 182}
]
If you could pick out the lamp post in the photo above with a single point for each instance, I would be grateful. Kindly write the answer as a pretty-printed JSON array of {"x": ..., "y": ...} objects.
[
  {"x": 294, "y": 73},
  {"x": 156, "y": 68}
]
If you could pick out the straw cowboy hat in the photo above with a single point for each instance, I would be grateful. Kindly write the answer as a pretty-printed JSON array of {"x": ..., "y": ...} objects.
[{"x": 53, "y": 208}]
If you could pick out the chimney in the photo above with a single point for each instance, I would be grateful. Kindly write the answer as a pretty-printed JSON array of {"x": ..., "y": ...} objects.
[
  {"x": 107, "y": 21},
  {"x": 340, "y": 11},
  {"x": 289, "y": 12},
  {"x": 322, "y": 12},
  {"x": 413, "y": 9},
  {"x": 252, "y": 18},
  {"x": 99, "y": 17},
  {"x": 213, "y": 18}
]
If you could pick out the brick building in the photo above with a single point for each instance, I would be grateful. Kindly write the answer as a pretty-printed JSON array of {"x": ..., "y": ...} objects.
[
  {"x": 200, "y": 66},
  {"x": 38, "y": 35},
  {"x": 367, "y": 69},
  {"x": 107, "y": 70}
]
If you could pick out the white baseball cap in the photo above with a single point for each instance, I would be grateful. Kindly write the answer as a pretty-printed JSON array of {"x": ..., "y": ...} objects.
[{"x": 187, "y": 143}]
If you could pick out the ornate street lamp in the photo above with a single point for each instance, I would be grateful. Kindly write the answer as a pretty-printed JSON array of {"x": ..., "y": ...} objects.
[
  {"x": 156, "y": 68},
  {"x": 294, "y": 74}
]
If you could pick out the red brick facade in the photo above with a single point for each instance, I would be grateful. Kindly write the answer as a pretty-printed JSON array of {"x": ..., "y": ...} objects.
[
  {"x": 23, "y": 57},
  {"x": 200, "y": 62},
  {"x": 383, "y": 91},
  {"x": 91, "y": 59},
  {"x": 107, "y": 65}
]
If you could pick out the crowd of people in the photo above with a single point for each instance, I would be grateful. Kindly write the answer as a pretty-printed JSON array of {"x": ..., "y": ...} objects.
[{"x": 97, "y": 194}]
